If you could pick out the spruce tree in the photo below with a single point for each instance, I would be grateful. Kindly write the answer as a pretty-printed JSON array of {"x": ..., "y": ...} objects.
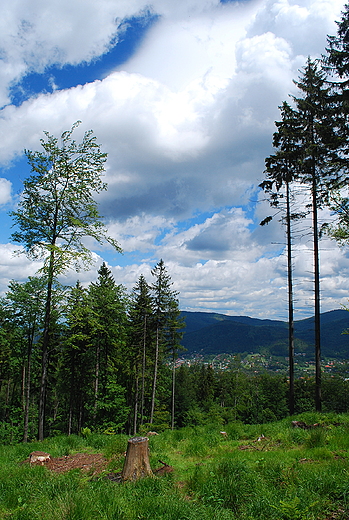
[
  {"x": 319, "y": 137},
  {"x": 281, "y": 172},
  {"x": 140, "y": 338},
  {"x": 25, "y": 305},
  {"x": 336, "y": 62},
  {"x": 108, "y": 302},
  {"x": 166, "y": 322},
  {"x": 76, "y": 360}
]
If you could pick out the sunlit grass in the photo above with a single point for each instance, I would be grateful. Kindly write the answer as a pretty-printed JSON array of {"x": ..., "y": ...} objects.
[{"x": 264, "y": 472}]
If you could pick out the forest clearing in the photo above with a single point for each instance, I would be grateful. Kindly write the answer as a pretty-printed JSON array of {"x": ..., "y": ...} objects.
[{"x": 271, "y": 471}]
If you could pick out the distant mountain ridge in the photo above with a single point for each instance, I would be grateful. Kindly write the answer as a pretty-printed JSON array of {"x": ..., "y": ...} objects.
[{"x": 213, "y": 333}]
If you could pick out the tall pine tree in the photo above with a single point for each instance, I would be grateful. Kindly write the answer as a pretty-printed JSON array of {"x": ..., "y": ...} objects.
[
  {"x": 318, "y": 128},
  {"x": 281, "y": 172}
]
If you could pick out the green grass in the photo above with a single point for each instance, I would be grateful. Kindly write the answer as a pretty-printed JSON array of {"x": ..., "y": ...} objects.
[{"x": 291, "y": 474}]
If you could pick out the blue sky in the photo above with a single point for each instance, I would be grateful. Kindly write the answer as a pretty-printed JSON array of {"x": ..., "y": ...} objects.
[{"x": 183, "y": 96}]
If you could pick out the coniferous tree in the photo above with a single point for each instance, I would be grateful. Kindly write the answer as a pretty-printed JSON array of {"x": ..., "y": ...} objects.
[
  {"x": 309, "y": 142},
  {"x": 174, "y": 334},
  {"x": 140, "y": 339},
  {"x": 281, "y": 172},
  {"x": 319, "y": 136},
  {"x": 337, "y": 58},
  {"x": 12, "y": 350},
  {"x": 165, "y": 314},
  {"x": 76, "y": 369},
  {"x": 25, "y": 302},
  {"x": 336, "y": 62},
  {"x": 184, "y": 395},
  {"x": 109, "y": 316}
]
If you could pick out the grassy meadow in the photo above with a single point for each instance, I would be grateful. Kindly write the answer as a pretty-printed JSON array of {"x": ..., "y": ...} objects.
[{"x": 289, "y": 474}]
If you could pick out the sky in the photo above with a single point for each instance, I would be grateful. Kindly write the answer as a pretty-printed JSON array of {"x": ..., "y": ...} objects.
[{"x": 183, "y": 97}]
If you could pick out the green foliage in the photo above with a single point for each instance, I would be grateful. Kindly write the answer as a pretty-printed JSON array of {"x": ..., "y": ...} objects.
[
  {"x": 55, "y": 212},
  {"x": 10, "y": 433},
  {"x": 57, "y": 201},
  {"x": 285, "y": 478},
  {"x": 112, "y": 408}
]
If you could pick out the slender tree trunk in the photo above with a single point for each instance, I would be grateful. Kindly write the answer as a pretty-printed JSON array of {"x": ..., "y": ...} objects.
[
  {"x": 72, "y": 396},
  {"x": 24, "y": 373},
  {"x": 173, "y": 393},
  {"x": 290, "y": 301},
  {"x": 44, "y": 364},
  {"x": 7, "y": 401},
  {"x": 70, "y": 420},
  {"x": 80, "y": 417},
  {"x": 143, "y": 367},
  {"x": 135, "y": 411},
  {"x": 27, "y": 393},
  {"x": 318, "y": 399},
  {"x": 155, "y": 375},
  {"x": 45, "y": 349},
  {"x": 96, "y": 386}
]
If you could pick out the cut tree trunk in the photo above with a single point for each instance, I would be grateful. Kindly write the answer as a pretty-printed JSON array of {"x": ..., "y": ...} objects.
[{"x": 137, "y": 464}]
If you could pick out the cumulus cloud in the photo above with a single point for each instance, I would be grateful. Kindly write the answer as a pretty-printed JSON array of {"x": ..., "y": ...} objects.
[
  {"x": 5, "y": 191},
  {"x": 187, "y": 123},
  {"x": 14, "y": 265}
]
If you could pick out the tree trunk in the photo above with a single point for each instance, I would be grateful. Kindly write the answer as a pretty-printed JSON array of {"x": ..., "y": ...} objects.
[
  {"x": 143, "y": 367},
  {"x": 137, "y": 464},
  {"x": 173, "y": 393},
  {"x": 96, "y": 384},
  {"x": 136, "y": 397},
  {"x": 155, "y": 375},
  {"x": 290, "y": 302},
  {"x": 27, "y": 394},
  {"x": 72, "y": 395},
  {"x": 318, "y": 399},
  {"x": 45, "y": 347}
]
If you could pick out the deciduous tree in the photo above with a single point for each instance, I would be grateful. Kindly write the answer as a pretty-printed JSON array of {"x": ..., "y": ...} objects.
[{"x": 56, "y": 211}]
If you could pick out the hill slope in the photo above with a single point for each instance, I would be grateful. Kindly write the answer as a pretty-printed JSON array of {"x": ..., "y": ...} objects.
[{"x": 212, "y": 333}]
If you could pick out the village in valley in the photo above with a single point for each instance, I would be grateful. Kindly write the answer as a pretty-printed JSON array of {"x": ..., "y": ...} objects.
[{"x": 254, "y": 363}]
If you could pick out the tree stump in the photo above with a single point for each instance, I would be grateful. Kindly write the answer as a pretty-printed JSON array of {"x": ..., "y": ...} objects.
[{"x": 137, "y": 459}]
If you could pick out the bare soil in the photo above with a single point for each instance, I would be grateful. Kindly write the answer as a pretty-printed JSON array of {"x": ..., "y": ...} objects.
[{"x": 93, "y": 464}]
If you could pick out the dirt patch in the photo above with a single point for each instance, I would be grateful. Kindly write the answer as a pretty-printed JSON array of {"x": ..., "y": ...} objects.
[
  {"x": 90, "y": 463},
  {"x": 340, "y": 514},
  {"x": 93, "y": 464}
]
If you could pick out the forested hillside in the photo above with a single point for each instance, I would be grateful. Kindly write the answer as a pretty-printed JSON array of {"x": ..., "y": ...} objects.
[{"x": 211, "y": 333}]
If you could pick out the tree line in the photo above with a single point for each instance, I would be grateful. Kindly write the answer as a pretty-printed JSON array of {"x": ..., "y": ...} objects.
[
  {"x": 76, "y": 357},
  {"x": 312, "y": 151},
  {"x": 110, "y": 358}
]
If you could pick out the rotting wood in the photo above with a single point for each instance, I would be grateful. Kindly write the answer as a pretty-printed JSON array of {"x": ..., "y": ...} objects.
[{"x": 137, "y": 463}]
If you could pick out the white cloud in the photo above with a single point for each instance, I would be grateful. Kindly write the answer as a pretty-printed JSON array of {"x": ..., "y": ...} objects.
[
  {"x": 14, "y": 266},
  {"x": 187, "y": 123},
  {"x": 5, "y": 191}
]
